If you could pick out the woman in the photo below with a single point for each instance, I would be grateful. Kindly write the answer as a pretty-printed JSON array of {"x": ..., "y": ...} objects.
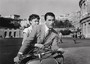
[{"x": 33, "y": 20}]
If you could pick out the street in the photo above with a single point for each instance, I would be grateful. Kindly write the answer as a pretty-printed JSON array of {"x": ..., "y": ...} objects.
[{"x": 78, "y": 53}]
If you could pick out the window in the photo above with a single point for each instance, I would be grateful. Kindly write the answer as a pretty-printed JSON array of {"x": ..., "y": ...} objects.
[{"x": 88, "y": 23}]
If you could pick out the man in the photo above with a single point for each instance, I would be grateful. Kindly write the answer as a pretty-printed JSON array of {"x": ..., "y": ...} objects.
[
  {"x": 75, "y": 37},
  {"x": 60, "y": 36},
  {"x": 41, "y": 36},
  {"x": 33, "y": 20}
]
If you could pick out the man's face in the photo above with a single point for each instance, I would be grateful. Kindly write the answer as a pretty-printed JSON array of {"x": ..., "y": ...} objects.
[
  {"x": 35, "y": 21},
  {"x": 49, "y": 21}
]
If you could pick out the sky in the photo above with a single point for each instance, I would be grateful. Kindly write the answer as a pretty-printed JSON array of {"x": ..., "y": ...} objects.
[{"x": 27, "y": 7}]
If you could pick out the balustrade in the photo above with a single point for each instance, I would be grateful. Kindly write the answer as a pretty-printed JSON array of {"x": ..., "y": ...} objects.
[{"x": 11, "y": 33}]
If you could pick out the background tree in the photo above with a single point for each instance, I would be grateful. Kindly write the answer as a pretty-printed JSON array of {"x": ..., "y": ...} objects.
[{"x": 63, "y": 24}]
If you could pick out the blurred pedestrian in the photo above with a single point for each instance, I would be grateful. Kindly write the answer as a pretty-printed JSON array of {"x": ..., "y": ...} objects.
[
  {"x": 75, "y": 37},
  {"x": 60, "y": 37}
]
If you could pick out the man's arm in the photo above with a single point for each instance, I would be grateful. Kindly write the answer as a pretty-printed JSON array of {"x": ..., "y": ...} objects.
[{"x": 55, "y": 43}]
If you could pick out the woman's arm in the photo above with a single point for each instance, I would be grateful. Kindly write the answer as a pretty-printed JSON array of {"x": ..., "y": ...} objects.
[{"x": 24, "y": 37}]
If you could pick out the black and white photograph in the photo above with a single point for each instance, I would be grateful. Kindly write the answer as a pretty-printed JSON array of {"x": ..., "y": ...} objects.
[{"x": 44, "y": 31}]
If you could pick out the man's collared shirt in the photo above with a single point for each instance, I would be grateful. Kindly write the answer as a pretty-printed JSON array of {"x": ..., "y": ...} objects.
[{"x": 46, "y": 30}]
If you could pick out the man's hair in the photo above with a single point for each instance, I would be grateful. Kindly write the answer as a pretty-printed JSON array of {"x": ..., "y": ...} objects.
[
  {"x": 49, "y": 14},
  {"x": 33, "y": 16}
]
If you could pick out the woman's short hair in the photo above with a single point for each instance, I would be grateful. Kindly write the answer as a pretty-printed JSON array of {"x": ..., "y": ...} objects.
[{"x": 33, "y": 16}]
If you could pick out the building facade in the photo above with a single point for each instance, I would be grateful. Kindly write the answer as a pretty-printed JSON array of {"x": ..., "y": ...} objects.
[
  {"x": 85, "y": 26},
  {"x": 85, "y": 17}
]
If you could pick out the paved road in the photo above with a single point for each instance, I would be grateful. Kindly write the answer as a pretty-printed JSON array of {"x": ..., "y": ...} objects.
[
  {"x": 69, "y": 42},
  {"x": 78, "y": 53}
]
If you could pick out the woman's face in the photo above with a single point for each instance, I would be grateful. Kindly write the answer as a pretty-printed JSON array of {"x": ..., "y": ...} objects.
[{"x": 35, "y": 21}]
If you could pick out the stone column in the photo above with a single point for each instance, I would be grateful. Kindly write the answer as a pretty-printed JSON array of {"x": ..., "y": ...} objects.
[
  {"x": 12, "y": 32},
  {"x": 7, "y": 33},
  {"x": 17, "y": 33}
]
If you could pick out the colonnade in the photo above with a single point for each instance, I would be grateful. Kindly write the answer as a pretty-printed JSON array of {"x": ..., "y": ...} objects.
[{"x": 11, "y": 33}]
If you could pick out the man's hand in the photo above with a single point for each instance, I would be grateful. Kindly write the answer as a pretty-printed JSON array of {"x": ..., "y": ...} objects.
[
  {"x": 61, "y": 49},
  {"x": 39, "y": 45}
]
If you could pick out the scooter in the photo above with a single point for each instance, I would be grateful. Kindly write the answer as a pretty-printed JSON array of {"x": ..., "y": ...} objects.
[{"x": 43, "y": 56}]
